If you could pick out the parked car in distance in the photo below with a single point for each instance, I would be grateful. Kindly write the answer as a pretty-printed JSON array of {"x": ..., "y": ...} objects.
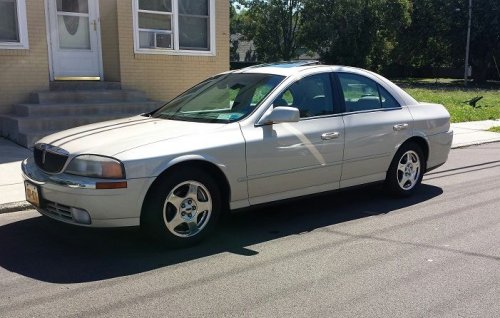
[{"x": 238, "y": 139}]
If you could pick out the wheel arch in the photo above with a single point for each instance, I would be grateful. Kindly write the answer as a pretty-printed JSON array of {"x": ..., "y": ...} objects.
[
  {"x": 421, "y": 142},
  {"x": 209, "y": 167}
]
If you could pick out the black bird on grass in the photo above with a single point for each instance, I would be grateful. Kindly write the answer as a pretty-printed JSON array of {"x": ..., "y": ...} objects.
[{"x": 472, "y": 102}]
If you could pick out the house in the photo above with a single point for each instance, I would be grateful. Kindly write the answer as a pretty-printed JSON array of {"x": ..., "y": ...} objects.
[{"x": 70, "y": 62}]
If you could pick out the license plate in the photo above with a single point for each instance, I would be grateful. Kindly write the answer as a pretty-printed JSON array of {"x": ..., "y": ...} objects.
[{"x": 32, "y": 195}]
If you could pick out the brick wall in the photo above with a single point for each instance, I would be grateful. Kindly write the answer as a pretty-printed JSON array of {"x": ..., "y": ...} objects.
[
  {"x": 23, "y": 71},
  {"x": 163, "y": 77}
]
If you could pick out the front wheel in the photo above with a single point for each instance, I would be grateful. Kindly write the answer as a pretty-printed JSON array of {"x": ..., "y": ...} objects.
[
  {"x": 406, "y": 170},
  {"x": 182, "y": 207}
]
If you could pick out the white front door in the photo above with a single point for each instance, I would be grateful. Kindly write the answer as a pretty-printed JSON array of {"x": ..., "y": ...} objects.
[{"x": 74, "y": 39}]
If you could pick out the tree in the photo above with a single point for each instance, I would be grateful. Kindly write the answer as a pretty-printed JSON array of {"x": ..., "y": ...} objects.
[
  {"x": 430, "y": 40},
  {"x": 274, "y": 26},
  {"x": 485, "y": 37},
  {"x": 436, "y": 36},
  {"x": 354, "y": 32}
]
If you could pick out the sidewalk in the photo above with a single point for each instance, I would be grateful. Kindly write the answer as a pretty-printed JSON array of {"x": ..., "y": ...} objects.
[
  {"x": 11, "y": 182},
  {"x": 11, "y": 155}
]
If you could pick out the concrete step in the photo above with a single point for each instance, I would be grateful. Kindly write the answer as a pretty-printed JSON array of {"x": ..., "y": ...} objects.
[
  {"x": 85, "y": 109},
  {"x": 83, "y": 85},
  {"x": 37, "y": 123},
  {"x": 87, "y": 96},
  {"x": 26, "y": 130},
  {"x": 28, "y": 139}
]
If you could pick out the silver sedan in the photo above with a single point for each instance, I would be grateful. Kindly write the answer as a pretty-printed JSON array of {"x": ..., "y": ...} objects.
[{"x": 238, "y": 139}]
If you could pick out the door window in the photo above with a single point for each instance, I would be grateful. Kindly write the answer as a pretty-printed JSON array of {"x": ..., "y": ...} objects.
[
  {"x": 361, "y": 93},
  {"x": 73, "y": 24},
  {"x": 312, "y": 96},
  {"x": 387, "y": 100}
]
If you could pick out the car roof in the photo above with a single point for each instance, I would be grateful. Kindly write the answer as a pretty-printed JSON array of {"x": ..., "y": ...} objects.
[{"x": 293, "y": 67}]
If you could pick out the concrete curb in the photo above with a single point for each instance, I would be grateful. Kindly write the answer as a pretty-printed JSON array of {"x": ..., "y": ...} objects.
[
  {"x": 474, "y": 143},
  {"x": 15, "y": 207}
]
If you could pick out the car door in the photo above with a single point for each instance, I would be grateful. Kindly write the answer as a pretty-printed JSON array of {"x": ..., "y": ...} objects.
[
  {"x": 375, "y": 126},
  {"x": 291, "y": 159}
]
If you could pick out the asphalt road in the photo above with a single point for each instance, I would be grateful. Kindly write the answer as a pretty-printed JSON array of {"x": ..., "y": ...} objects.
[{"x": 356, "y": 253}]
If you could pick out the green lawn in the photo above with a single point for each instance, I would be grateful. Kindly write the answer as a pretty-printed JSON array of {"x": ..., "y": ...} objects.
[
  {"x": 453, "y": 95},
  {"x": 495, "y": 129}
]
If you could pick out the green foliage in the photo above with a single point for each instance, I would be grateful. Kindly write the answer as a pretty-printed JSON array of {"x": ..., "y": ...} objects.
[
  {"x": 437, "y": 35},
  {"x": 354, "y": 32},
  {"x": 274, "y": 26},
  {"x": 424, "y": 42},
  {"x": 373, "y": 34},
  {"x": 485, "y": 37}
]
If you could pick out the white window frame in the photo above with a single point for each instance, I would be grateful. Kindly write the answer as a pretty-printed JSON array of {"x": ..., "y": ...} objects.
[
  {"x": 175, "y": 34},
  {"x": 22, "y": 25}
]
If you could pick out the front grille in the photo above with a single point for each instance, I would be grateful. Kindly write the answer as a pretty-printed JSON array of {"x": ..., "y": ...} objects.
[
  {"x": 58, "y": 210},
  {"x": 50, "y": 159}
]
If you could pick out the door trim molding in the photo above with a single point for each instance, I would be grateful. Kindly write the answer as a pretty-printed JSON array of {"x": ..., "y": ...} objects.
[
  {"x": 47, "y": 33},
  {"x": 49, "y": 45}
]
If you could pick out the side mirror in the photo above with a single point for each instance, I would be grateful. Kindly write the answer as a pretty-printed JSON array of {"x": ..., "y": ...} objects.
[{"x": 281, "y": 114}]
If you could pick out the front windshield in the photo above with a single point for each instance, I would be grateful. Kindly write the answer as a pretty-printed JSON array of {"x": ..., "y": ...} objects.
[{"x": 221, "y": 99}]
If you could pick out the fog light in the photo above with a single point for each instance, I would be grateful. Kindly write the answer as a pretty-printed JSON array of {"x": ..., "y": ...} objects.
[{"x": 80, "y": 216}]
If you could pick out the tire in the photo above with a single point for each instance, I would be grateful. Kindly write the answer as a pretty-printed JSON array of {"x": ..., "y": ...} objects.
[
  {"x": 406, "y": 171},
  {"x": 182, "y": 207}
]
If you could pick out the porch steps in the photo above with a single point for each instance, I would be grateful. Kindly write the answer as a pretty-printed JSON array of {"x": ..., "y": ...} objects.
[
  {"x": 76, "y": 109},
  {"x": 83, "y": 85},
  {"x": 87, "y": 96},
  {"x": 69, "y": 105}
]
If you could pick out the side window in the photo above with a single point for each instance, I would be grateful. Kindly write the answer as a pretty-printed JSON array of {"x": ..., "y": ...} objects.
[
  {"x": 387, "y": 100},
  {"x": 312, "y": 95},
  {"x": 360, "y": 93},
  {"x": 13, "y": 24}
]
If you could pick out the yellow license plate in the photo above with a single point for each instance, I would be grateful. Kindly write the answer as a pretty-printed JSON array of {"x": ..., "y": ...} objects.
[{"x": 32, "y": 196}]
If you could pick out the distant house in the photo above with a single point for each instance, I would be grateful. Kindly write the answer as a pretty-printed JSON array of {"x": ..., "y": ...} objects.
[
  {"x": 159, "y": 47},
  {"x": 243, "y": 50}
]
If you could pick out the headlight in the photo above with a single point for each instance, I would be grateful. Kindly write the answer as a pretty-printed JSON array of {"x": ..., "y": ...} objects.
[{"x": 96, "y": 167}]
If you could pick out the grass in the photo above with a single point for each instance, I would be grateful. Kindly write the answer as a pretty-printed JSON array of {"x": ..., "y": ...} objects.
[
  {"x": 495, "y": 129},
  {"x": 453, "y": 95}
]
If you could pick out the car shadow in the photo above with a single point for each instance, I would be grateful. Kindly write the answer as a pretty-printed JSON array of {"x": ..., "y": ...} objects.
[{"x": 49, "y": 251}]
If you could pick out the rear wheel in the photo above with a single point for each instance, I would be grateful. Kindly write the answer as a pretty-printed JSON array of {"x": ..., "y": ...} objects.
[
  {"x": 406, "y": 170},
  {"x": 182, "y": 207}
]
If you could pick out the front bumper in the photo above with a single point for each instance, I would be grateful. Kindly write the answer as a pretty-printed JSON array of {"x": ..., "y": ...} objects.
[{"x": 63, "y": 197}]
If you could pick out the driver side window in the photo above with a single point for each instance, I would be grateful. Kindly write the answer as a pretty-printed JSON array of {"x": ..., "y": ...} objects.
[{"x": 311, "y": 95}]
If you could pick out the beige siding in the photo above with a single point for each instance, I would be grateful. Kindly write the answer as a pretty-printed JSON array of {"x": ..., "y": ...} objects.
[
  {"x": 164, "y": 76},
  {"x": 24, "y": 71},
  {"x": 109, "y": 40}
]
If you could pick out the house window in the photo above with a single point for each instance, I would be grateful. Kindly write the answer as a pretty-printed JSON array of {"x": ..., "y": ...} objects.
[
  {"x": 174, "y": 26},
  {"x": 13, "y": 28}
]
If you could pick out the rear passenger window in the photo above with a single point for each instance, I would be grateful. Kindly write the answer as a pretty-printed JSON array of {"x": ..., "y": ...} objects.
[
  {"x": 387, "y": 100},
  {"x": 361, "y": 93}
]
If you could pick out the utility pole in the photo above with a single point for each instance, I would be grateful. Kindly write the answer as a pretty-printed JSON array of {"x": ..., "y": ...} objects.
[{"x": 467, "y": 46}]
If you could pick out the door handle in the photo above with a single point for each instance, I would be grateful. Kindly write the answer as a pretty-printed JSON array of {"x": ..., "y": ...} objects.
[
  {"x": 94, "y": 24},
  {"x": 330, "y": 135},
  {"x": 399, "y": 127}
]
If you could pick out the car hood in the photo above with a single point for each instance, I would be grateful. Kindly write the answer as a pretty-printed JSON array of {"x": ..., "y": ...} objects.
[{"x": 112, "y": 137}]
